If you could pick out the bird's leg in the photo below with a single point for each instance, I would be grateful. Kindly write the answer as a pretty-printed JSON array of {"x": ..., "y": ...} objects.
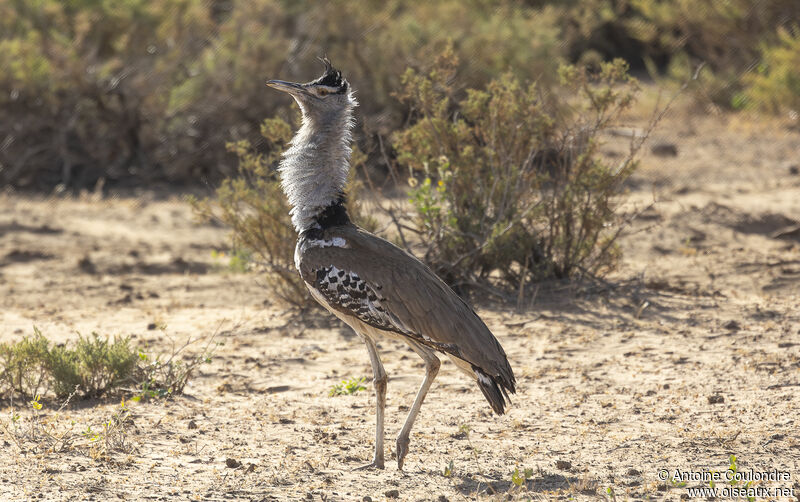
[
  {"x": 431, "y": 369},
  {"x": 379, "y": 380}
]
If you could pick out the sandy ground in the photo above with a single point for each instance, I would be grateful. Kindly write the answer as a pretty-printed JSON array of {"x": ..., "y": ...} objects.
[{"x": 690, "y": 354}]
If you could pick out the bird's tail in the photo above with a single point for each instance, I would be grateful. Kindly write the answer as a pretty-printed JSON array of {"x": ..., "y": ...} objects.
[{"x": 494, "y": 389}]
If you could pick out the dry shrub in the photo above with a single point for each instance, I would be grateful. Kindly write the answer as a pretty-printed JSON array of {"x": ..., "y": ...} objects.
[
  {"x": 34, "y": 430},
  {"x": 509, "y": 184},
  {"x": 140, "y": 92},
  {"x": 254, "y": 207},
  {"x": 513, "y": 187}
]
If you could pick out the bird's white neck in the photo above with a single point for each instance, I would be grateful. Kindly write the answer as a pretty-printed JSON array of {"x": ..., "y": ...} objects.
[{"x": 314, "y": 169}]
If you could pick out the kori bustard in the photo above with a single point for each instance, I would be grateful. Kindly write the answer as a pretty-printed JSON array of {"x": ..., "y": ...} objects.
[{"x": 375, "y": 287}]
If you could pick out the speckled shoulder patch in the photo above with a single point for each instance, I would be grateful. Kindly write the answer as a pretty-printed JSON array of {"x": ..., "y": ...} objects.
[{"x": 347, "y": 291}]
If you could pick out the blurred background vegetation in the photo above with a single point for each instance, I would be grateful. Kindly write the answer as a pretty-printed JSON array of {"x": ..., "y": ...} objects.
[{"x": 141, "y": 92}]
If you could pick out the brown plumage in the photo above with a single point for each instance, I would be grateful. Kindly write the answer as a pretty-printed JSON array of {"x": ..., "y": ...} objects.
[{"x": 427, "y": 309}]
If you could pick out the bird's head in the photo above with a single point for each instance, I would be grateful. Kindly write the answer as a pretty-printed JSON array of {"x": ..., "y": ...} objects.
[{"x": 328, "y": 95}]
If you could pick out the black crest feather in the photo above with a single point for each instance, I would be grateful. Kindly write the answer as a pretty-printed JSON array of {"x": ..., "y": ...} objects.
[{"x": 332, "y": 77}]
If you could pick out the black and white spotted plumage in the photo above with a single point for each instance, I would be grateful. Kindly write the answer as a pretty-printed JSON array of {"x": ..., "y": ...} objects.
[{"x": 354, "y": 295}]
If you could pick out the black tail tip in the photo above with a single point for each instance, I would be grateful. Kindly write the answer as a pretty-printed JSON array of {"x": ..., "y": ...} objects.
[{"x": 494, "y": 391}]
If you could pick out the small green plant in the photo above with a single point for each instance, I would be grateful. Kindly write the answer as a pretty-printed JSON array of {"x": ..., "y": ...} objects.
[
  {"x": 348, "y": 387},
  {"x": 520, "y": 478},
  {"x": 238, "y": 260},
  {"x": 448, "y": 469},
  {"x": 675, "y": 483},
  {"x": 35, "y": 404},
  {"x": 733, "y": 468},
  {"x": 90, "y": 434}
]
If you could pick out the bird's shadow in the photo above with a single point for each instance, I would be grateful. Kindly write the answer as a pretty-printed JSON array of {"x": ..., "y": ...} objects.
[{"x": 621, "y": 301}]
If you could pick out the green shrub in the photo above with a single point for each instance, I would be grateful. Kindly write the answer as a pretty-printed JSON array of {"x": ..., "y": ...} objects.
[
  {"x": 775, "y": 84},
  {"x": 24, "y": 366},
  {"x": 141, "y": 92},
  {"x": 513, "y": 184},
  {"x": 92, "y": 367}
]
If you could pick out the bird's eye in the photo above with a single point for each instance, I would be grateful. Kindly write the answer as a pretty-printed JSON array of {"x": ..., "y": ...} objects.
[{"x": 322, "y": 92}]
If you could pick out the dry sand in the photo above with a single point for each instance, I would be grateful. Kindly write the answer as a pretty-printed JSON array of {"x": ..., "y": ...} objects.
[{"x": 690, "y": 354}]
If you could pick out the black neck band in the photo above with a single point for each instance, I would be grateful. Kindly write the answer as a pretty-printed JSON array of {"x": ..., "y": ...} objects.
[{"x": 333, "y": 215}]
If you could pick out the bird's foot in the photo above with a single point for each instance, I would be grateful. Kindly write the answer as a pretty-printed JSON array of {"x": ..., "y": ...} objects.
[
  {"x": 402, "y": 450},
  {"x": 375, "y": 464}
]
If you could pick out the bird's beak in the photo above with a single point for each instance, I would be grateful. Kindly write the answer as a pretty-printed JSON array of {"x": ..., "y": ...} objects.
[{"x": 290, "y": 87}]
